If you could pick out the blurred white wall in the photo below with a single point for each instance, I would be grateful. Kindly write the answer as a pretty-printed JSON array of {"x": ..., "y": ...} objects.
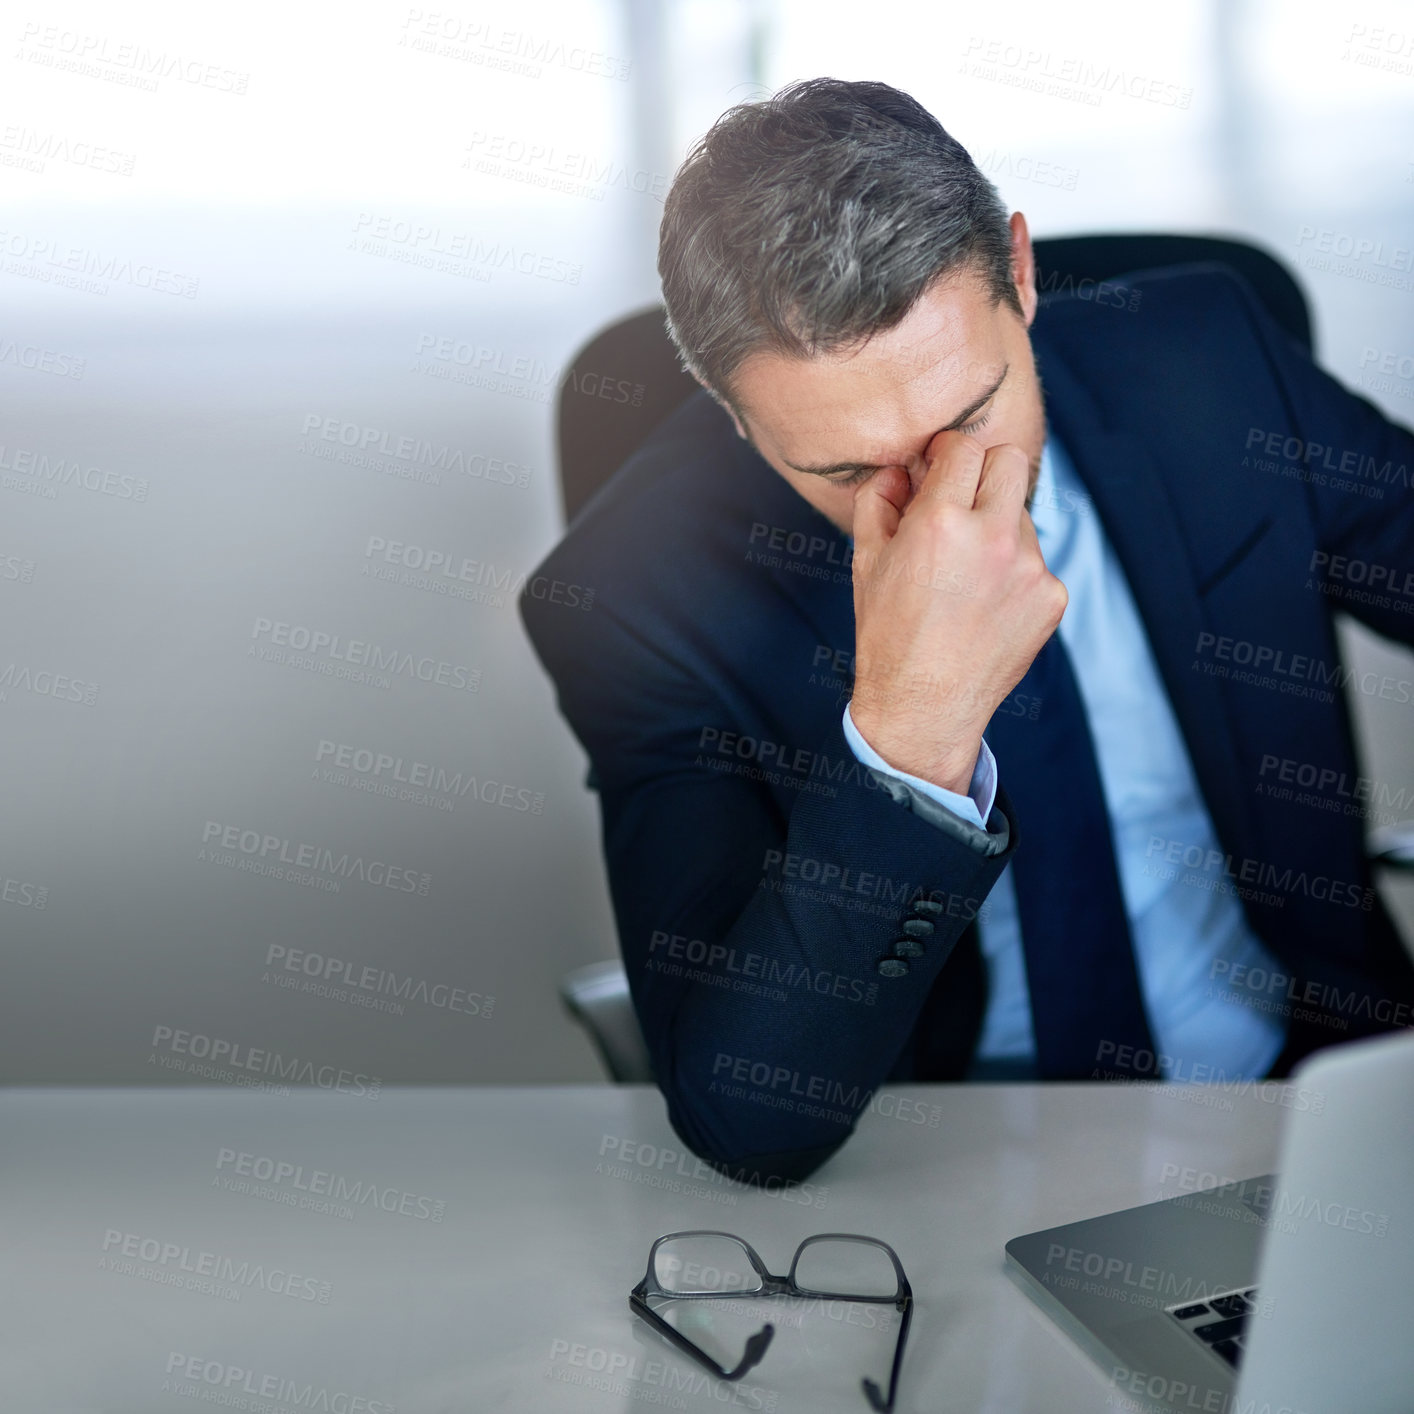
[{"x": 285, "y": 294}]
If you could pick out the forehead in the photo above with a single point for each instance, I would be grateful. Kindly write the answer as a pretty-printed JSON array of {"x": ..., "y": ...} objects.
[{"x": 908, "y": 380}]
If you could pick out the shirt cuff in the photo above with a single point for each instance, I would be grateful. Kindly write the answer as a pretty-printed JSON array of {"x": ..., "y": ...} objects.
[{"x": 974, "y": 807}]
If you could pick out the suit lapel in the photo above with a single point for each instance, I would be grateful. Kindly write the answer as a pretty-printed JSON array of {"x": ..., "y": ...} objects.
[{"x": 1142, "y": 524}]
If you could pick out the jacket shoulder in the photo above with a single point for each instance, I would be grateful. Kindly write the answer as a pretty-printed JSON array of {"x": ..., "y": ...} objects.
[
  {"x": 1154, "y": 347},
  {"x": 1199, "y": 302}
]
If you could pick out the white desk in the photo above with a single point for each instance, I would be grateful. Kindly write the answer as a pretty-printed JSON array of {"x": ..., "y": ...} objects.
[{"x": 538, "y": 1243}]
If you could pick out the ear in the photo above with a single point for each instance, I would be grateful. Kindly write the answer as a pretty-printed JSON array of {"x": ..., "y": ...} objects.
[{"x": 1023, "y": 266}]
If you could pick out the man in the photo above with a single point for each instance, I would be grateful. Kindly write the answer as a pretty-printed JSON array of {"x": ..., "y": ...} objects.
[{"x": 880, "y": 632}]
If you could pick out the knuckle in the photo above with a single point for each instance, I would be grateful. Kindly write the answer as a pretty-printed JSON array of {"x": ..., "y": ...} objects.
[
  {"x": 1002, "y": 537},
  {"x": 999, "y": 557},
  {"x": 949, "y": 515}
]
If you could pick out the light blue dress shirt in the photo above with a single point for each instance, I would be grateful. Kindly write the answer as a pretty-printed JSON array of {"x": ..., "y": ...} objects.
[{"x": 1181, "y": 923}]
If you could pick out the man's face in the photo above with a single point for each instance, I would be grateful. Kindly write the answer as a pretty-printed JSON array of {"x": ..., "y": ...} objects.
[{"x": 957, "y": 360}]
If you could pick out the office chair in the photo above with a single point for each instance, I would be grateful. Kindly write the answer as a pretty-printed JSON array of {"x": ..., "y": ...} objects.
[
  {"x": 597, "y": 997},
  {"x": 627, "y": 379}
]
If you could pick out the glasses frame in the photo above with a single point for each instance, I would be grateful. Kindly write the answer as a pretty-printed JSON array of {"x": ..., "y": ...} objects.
[{"x": 772, "y": 1285}]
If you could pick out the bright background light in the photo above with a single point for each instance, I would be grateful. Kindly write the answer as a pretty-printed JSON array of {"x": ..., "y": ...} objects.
[{"x": 255, "y": 172}]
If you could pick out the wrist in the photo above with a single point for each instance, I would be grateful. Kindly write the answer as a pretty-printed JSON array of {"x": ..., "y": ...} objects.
[{"x": 905, "y": 747}]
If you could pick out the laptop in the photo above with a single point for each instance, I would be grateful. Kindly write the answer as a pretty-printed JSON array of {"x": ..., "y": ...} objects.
[{"x": 1278, "y": 1294}]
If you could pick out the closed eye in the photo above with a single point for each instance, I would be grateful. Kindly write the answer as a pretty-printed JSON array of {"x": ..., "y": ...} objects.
[{"x": 855, "y": 478}]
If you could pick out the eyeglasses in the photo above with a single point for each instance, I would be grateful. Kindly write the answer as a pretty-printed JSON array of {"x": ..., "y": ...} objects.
[{"x": 705, "y": 1265}]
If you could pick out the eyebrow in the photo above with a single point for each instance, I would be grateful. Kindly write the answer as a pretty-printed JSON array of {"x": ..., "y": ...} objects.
[{"x": 964, "y": 416}]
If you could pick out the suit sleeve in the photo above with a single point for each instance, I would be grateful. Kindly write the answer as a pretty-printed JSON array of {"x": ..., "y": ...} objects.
[
  {"x": 752, "y": 939},
  {"x": 1360, "y": 482}
]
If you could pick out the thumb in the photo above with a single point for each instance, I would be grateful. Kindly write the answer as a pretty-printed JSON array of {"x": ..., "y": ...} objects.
[{"x": 878, "y": 509}]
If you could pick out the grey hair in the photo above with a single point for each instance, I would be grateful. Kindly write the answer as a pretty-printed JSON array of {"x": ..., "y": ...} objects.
[{"x": 807, "y": 222}]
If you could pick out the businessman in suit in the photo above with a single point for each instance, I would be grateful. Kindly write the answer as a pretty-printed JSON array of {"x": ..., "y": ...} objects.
[{"x": 952, "y": 657}]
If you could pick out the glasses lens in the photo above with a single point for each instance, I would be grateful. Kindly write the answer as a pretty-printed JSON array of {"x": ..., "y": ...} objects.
[
  {"x": 832, "y": 1267},
  {"x": 688, "y": 1266}
]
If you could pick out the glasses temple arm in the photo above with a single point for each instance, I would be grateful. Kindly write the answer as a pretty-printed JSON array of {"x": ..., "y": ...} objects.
[
  {"x": 877, "y": 1401},
  {"x": 756, "y": 1345}
]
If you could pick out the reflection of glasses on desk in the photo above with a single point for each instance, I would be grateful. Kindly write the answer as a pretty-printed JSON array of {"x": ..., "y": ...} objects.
[{"x": 707, "y": 1265}]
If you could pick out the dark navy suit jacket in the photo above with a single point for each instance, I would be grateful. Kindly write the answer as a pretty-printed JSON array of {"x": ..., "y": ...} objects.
[{"x": 759, "y": 873}]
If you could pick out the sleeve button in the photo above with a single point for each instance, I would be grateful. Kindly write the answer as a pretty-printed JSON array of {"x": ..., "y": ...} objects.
[
  {"x": 908, "y": 947},
  {"x": 918, "y": 928},
  {"x": 892, "y": 967}
]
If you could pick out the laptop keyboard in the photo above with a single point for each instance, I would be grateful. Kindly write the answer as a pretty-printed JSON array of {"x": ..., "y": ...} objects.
[{"x": 1220, "y": 1322}]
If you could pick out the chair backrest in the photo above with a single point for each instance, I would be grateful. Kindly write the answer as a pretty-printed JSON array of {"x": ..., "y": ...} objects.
[
  {"x": 598, "y": 998},
  {"x": 627, "y": 378}
]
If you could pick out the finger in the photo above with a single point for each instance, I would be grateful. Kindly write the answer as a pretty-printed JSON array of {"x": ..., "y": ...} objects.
[
  {"x": 1031, "y": 541},
  {"x": 1029, "y": 538},
  {"x": 1005, "y": 480},
  {"x": 954, "y": 466},
  {"x": 878, "y": 506}
]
